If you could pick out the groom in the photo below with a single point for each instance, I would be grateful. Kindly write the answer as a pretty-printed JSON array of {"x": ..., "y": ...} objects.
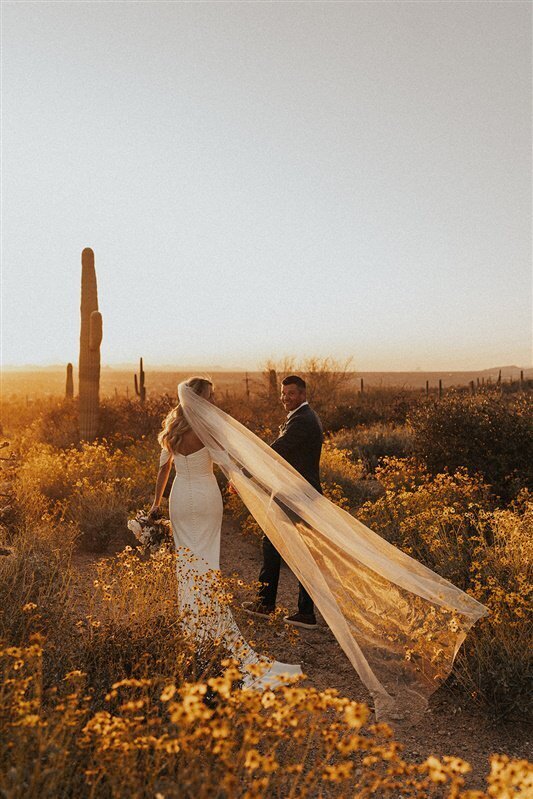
[{"x": 300, "y": 443}]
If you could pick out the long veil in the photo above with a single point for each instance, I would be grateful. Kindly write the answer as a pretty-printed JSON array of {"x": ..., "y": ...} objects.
[{"x": 399, "y": 623}]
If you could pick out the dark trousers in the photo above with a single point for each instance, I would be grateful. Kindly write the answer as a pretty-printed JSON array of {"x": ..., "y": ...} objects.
[{"x": 269, "y": 577}]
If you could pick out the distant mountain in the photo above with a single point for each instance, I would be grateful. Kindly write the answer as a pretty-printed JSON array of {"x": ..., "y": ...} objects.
[{"x": 508, "y": 371}]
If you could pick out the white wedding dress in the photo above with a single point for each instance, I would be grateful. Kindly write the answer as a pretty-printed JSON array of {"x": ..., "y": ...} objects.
[{"x": 196, "y": 509}]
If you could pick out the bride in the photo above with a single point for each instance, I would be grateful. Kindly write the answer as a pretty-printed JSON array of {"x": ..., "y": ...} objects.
[
  {"x": 399, "y": 623},
  {"x": 195, "y": 509}
]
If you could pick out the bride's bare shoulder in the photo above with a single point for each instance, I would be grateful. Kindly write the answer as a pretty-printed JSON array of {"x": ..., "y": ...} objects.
[{"x": 189, "y": 443}]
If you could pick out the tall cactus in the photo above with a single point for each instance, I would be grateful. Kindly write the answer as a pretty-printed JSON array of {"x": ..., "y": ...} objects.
[
  {"x": 140, "y": 390},
  {"x": 90, "y": 340},
  {"x": 69, "y": 388}
]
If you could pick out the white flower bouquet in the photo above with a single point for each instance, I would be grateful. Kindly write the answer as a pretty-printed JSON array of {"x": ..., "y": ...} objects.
[{"x": 152, "y": 533}]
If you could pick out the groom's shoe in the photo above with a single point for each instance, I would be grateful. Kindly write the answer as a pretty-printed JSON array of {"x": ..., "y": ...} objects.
[
  {"x": 306, "y": 620},
  {"x": 256, "y": 608}
]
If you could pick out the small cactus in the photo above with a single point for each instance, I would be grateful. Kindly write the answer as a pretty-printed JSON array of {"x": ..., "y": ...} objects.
[
  {"x": 69, "y": 389},
  {"x": 90, "y": 340},
  {"x": 140, "y": 389}
]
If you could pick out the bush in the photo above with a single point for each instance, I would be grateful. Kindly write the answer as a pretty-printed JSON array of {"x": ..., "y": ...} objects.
[
  {"x": 486, "y": 433},
  {"x": 93, "y": 487},
  {"x": 122, "y": 422},
  {"x": 449, "y": 523},
  {"x": 343, "y": 480},
  {"x": 370, "y": 444},
  {"x": 497, "y": 655},
  {"x": 377, "y": 405}
]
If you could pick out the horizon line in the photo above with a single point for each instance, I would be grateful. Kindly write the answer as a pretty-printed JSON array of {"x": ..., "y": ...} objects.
[{"x": 124, "y": 365}]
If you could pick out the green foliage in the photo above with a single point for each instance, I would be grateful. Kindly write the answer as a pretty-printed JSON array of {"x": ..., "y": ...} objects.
[
  {"x": 92, "y": 487},
  {"x": 488, "y": 433},
  {"x": 449, "y": 523},
  {"x": 369, "y": 444},
  {"x": 122, "y": 422},
  {"x": 343, "y": 479}
]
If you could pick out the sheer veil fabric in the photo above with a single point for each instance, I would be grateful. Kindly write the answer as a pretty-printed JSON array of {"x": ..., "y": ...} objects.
[{"x": 399, "y": 623}]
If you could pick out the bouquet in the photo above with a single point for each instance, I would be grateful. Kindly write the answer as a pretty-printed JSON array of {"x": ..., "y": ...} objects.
[{"x": 153, "y": 533}]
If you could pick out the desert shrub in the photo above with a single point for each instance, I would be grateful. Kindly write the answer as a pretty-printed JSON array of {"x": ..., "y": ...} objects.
[
  {"x": 417, "y": 513},
  {"x": 370, "y": 443},
  {"x": 18, "y": 413},
  {"x": 448, "y": 522},
  {"x": 488, "y": 433},
  {"x": 343, "y": 480},
  {"x": 375, "y": 406},
  {"x": 57, "y": 425},
  {"x": 122, "y": 421},
  {"x": 91, "y": 486},
  {"x": 496, "y": 659}
]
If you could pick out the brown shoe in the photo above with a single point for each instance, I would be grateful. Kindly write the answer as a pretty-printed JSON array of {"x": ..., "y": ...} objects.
[
  {"x": 306, "y": 620},
  {"x": 256, "y": 608}
]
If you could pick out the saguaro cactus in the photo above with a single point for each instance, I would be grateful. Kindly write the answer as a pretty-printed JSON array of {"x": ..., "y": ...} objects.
[
  {"x": 140, "y": 389},
  {"x": 90, "y": 340},
  {"x": 69, "y": 388}
]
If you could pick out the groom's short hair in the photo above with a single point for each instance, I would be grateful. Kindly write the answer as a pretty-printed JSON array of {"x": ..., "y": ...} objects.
[{"x": 294, "y": 380}]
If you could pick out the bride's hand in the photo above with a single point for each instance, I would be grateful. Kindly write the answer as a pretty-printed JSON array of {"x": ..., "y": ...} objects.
[{"x": 232, "y": 489}]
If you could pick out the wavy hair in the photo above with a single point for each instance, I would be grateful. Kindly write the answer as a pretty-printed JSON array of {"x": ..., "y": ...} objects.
[{"x": 175, "y": 424}]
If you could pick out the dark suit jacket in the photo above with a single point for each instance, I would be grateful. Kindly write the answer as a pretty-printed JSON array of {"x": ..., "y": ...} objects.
[{"x": 300, "y": 443}]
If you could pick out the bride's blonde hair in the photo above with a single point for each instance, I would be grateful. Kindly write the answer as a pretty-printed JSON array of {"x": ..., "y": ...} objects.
[{"x": 175, "y": 423}]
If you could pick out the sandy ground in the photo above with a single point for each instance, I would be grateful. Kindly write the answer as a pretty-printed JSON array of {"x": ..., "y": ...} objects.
[{"x": 447, "y": 728}]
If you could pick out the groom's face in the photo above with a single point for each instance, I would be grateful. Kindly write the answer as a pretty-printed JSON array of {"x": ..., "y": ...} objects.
[{"x": 292, "y": 396}]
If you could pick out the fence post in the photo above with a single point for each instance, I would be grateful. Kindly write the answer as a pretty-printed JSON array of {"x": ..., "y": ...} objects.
[
  {"x": 472, "y": 388},
  {"x": 427, "y": 389},
  {"x": 440, "y": 389},
  {"x": 362, "y": 385}
]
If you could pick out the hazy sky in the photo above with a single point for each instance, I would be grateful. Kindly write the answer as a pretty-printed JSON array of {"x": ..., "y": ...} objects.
[{"x": 261, "y": 179}]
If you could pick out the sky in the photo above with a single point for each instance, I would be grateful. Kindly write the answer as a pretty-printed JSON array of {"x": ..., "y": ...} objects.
[{"x": 269, "y": 179}]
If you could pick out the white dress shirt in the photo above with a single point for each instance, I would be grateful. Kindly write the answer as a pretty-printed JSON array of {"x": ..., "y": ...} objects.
[{"x": 297, "y": 409}]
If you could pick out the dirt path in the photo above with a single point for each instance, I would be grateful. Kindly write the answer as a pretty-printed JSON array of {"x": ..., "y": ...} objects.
[{"x": 446, "y": 729}]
